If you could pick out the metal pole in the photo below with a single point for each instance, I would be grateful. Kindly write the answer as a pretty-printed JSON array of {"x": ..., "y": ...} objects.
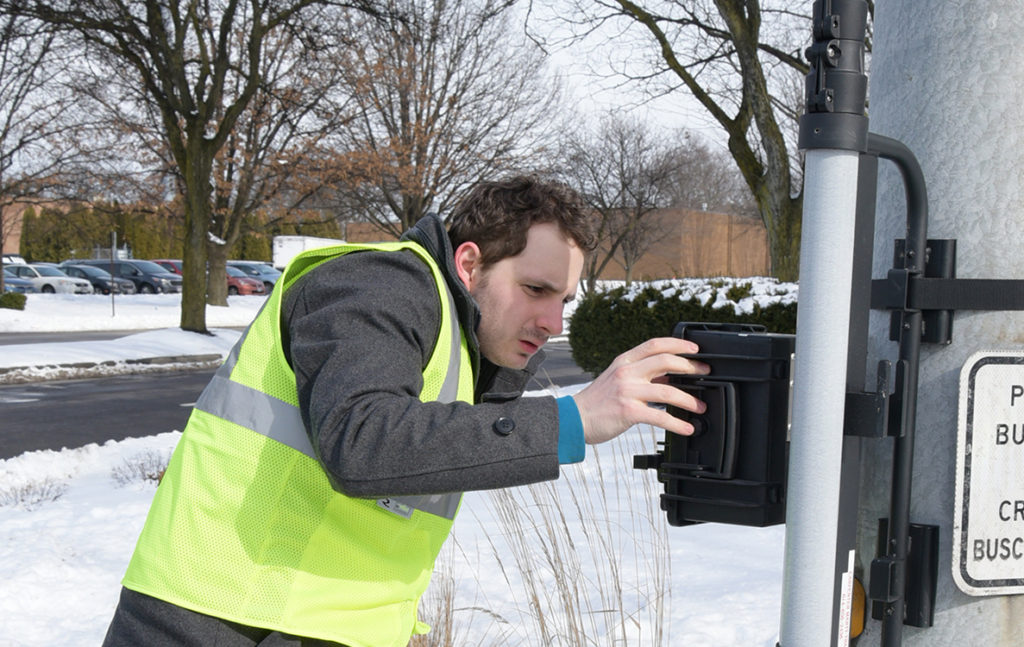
[
  {"x": 819, "y": 396},
  {"x": 834, "y": 133},
  {"x": 113, "y": 281}
]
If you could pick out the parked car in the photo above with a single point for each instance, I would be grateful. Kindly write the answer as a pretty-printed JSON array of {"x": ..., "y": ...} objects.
[
  {"x": 259, "y": 270},
  {"x": 171, "y": 265},
  {"x": 13, "y": 259},
  {"x": 240, "y": 283},
  {"x": 147, "y": 276},
  {"x": 101, "y": 280},
  {"x": 47, "y": 278},
  {"x": 13, "y": 283}
]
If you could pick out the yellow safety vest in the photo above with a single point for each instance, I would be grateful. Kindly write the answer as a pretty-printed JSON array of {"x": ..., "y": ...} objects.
[{"x": 245, "y": 525}]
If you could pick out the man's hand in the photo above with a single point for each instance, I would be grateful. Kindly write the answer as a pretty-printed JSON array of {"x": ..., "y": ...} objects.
[{"x": 620, "y": 396}]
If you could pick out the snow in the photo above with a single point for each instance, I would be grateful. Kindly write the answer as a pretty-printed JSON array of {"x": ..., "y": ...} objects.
[
  {"x": 589, "y": 554},
  {"x": 150, "y": 322}
]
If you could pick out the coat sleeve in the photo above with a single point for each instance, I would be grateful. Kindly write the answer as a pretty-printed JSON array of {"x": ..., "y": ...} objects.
[{"x": 359, "y": 331}]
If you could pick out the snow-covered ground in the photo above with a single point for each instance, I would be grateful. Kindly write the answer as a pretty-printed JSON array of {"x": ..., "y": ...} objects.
[
  {"x": 150, "y": 324},
  {"x": 590, "y": 553}
]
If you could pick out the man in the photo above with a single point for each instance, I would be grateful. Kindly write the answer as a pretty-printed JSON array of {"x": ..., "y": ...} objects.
[{"x": 322, "y": 467}]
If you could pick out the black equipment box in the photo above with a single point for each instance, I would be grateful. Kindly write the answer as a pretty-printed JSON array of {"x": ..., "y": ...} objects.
[{"x": 733, "y": 468}]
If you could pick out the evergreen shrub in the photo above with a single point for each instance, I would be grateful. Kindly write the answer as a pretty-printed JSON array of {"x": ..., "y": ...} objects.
[
  {"x": 607, "y": 323},
  {"x": 13, "y": 300}
]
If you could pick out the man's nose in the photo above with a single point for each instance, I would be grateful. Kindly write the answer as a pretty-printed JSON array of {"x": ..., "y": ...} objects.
[{"x": 550, "y": 320}]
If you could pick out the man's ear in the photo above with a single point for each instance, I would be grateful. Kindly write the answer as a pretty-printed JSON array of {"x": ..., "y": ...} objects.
[{"x": 468, "y": 263}]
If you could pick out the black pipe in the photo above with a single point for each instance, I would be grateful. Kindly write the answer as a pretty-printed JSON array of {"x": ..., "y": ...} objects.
[{"x": 897, "y": 543}]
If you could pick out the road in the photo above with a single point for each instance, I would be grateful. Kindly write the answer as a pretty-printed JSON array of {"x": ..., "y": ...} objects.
[
  {"x": 558, "y": 368},
  {"x": 55, "y": 337},
  {"x": 72, "y": 413}
]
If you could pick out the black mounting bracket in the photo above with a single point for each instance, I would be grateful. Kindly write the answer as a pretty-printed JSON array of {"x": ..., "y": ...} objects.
[
  {"x": 935, "y": 296},
  {"x": 917, "y": 576},
  {"x": 938, "y": 293}
]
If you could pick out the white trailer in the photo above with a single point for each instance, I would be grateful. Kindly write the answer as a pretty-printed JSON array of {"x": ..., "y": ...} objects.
[{"x": 288, "y": 247}]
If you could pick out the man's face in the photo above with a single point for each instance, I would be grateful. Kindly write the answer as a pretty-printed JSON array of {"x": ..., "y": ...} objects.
[{"x": 521, "y": 298}]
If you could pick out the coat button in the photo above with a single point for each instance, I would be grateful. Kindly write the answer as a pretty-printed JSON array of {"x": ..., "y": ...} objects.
[{"x": 504, "y": 426}]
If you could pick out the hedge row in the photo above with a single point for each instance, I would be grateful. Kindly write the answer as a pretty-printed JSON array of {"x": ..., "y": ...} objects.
[
  {"x": 609, "y": 322},
  {"x": 13, "y": 300}
]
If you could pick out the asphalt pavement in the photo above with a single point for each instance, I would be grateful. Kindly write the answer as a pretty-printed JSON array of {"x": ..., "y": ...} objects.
[
  {"x": 558, "y": 368},
  {"x": 75, "y": 412},
  {"x": 8, "y": 338},
  {"x": 48, "y": 413}
]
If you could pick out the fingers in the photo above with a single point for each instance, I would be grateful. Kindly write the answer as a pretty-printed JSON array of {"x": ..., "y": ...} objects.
[
  {"x": 657, "y": 346},
  {"x": 675, "y": 397},
  {"x": 621, "y": 396},
  {"x": 668, "y": 422},
  {"x": 661, "y": 365},
  {"x": 672, "y": 397},
  {"x": 661, "y": 356}
]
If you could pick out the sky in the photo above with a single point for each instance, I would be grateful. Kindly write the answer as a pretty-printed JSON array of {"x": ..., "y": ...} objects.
[
  {"x": 592, "y": 67},
  {"x": 592, "y": 547}
]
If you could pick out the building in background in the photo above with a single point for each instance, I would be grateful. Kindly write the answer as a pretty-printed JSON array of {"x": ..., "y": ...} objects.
[
  {"x": 684, "y": 243},
  {"x": 687, "y": 243},
  {"x": 10, "y": 227}
]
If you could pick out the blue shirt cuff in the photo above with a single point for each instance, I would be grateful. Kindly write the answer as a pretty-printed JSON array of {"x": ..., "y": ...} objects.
[{"x": 571, "y": 446}]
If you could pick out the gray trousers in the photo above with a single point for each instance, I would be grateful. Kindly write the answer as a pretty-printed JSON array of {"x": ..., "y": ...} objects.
[{"x": 143, "y": 620}]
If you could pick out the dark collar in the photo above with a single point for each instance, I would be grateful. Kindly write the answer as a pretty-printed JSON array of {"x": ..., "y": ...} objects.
[{"x": 429, "y": 232}]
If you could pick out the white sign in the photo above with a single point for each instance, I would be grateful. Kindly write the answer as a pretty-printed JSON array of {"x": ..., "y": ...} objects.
[{"x": 988, "y": 526}]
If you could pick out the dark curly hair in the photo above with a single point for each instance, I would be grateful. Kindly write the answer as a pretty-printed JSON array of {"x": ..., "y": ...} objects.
[{"x": 496, "y": 215}]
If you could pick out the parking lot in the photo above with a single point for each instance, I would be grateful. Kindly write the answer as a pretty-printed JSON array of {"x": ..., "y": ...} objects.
[{"x": 126, "y": 276}]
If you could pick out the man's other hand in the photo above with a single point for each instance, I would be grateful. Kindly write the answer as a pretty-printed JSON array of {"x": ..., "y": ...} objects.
[{"x": 621, "y": 396}]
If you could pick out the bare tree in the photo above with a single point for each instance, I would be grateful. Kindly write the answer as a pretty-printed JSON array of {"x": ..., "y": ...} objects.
[
  {"x": 193, "y": 78},
  {"x": 450, "y": 93},
  {"x": 272, "y": 148},
  {"x": 732, "y": 57},
  {"x": 637, "y": 238},
  {"x": 624, "y": 170},
  {"x": 706, "y": 179},
  {"x": 36, "y": 146}
]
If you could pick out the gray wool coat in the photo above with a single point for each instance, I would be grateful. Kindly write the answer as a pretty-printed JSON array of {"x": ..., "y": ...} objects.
[{"x": 359, "y": 331}]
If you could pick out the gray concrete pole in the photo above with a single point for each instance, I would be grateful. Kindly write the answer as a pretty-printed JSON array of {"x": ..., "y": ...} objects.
[{"x": 945, "y": 81}]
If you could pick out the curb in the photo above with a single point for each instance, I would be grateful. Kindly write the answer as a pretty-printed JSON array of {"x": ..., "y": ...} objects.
[{"x": 165, "y": 364}]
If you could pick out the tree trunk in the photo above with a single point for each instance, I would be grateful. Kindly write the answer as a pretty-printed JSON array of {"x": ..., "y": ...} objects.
[
  {"x": 217, "y": 285},
  {"x": 193, "y": 279},
  {"x": 784, "y": 237},
  {"x": 198, "y": 214}
]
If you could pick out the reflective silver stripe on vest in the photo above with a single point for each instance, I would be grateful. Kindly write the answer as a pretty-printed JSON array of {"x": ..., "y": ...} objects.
[
  {"x": 255, "y": 410},
  {"x": 281, "y": 421}
]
